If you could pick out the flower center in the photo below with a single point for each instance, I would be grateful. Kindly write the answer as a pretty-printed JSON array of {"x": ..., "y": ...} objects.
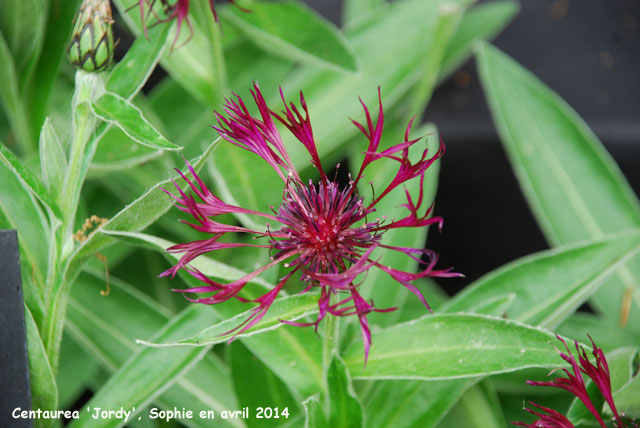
[{"x": 320, "y": 222}]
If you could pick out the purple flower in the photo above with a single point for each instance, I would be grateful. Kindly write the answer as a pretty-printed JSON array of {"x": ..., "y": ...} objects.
[
  {"x": 325, "y": 232},
  {"x": 178, "y": 10},
  {"x": 575, "y": 384}
]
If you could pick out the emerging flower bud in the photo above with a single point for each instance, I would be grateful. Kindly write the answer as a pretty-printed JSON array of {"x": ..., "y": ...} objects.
[{"x": 91, "y": 47}]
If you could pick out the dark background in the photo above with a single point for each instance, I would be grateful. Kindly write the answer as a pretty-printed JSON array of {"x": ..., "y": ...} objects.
[{"x": 588, "y": 51}]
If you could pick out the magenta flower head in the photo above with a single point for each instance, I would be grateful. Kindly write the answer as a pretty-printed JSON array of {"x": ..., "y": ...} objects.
[
  {"x": 177, "y": 10},
  {"x": 322, "y": 231},
  {"x": 575, "y": 384}
]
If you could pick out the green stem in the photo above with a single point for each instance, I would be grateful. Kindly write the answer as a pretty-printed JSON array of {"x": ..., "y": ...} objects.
[
  {"x": 330, "y": 341},
  {"x": 88, "y": 88}
]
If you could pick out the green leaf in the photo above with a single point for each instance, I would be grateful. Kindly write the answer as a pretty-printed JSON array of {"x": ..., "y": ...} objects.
[
  {"x": 208, "y": 266},
  {"x": 247, "y": 372},
  {"x": 293, "y": 354},
  {"x": 416, "y": 404},
  {"x": 116, "y": 151},
  {"x": 44, "y": 391},
  {"x": 111, "y": 341},
  {"x": 190, "y": 65},
  {"x": 345, "y": 408},
  {"x": 627, "y": 398},
  {"x": 574, "y": 188},
  {"x": 291, "y": 30},
  {"x": 605, "y": 331},
  {"x": 481, "y": 22},
  {"x": 286, "y": 308},
  {"x": 314, "y": 414},
  {"x": 449, "y": 15},
  {"x": 39, "y": 88},
  {"x": 440, "y": 347},
  {"x": 22, "y": 213},
  {"x": 479, "y": 407},
  {"x": 549, "y": 286},
  {"x": 114, "y": 109},
  {"x": 29, "y": 181},
  {"x": 76, "y": 370},
  {"x": 354, "y": 9},
  {"x": 22, "y": 25},
  {"x": 134, "y": 217},
  {"x": 130, "y": 74},
  {"x": 53, "y": 161},
  {"x": 10, "y": 97},
  {"x": 149, "y": 371}
]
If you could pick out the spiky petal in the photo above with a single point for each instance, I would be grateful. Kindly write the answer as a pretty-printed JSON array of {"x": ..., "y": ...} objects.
[
  {"x": 575, "y": 384},
  {"x": 324, "y": 232}
]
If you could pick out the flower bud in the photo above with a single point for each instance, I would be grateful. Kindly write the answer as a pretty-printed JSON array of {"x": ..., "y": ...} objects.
[{"x": 91, "y": 47}]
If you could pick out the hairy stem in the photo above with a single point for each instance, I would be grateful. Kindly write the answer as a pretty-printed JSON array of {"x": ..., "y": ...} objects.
[{"x": 330, "y": 341}]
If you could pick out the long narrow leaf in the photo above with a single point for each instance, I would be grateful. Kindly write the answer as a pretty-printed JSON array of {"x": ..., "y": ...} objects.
[
  {"x": 550, "y": 286},
  {"x": 452, "y": 346},
  {"x": 574, "y": 188}
]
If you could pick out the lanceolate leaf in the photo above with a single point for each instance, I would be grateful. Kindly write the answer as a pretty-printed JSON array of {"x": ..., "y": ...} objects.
[
  {"x": 206, "y": 265},
  {"x": 111, "y": 341},
  {"x": 134, "y": 217},
  {"x": 551, "y": 285},
  {"x": 294, "y": 31},
  {"x": 114, "y": 109},
  {"x": 314, "y": 414},
  {"x": 53, "y": 160},
  {"x": 481, "y": 22},
  {"x": 30, "y": 182},
  {"x": 10, "y": 96},
  {"x": 44, "y": 392},
  {"x": 190, "y": 65},
  {"x": 293, "y": 354},
  {"x": 287, "y": 308},
  {"x": 416, "y": 404},
  {"x": 575, "y": 189},
  {"x": 354, "y": 9},
  {"x": 247, "y": 372},
  {"x": 131, "y": 73},
  {"x": 345, "y": 409},
  {"x": 22, "y": 25},
  {"x": 149, "y": 371},
  {"x": 21, "y": 212},
  {"x": 452, "y": 346}
]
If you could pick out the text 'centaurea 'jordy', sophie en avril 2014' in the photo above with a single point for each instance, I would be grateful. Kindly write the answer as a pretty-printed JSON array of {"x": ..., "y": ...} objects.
[{"x": 325, "y": 233}]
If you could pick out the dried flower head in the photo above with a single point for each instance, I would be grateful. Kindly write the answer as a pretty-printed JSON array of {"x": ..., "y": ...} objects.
[
  {"x": 325, "y": 232},
  {"x": 575, "y": 384}
]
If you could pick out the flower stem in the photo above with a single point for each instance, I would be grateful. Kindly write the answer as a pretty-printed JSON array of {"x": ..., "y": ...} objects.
[
  {"x": 88, "y": 88},
  {"x": 330, "y": 342}
]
